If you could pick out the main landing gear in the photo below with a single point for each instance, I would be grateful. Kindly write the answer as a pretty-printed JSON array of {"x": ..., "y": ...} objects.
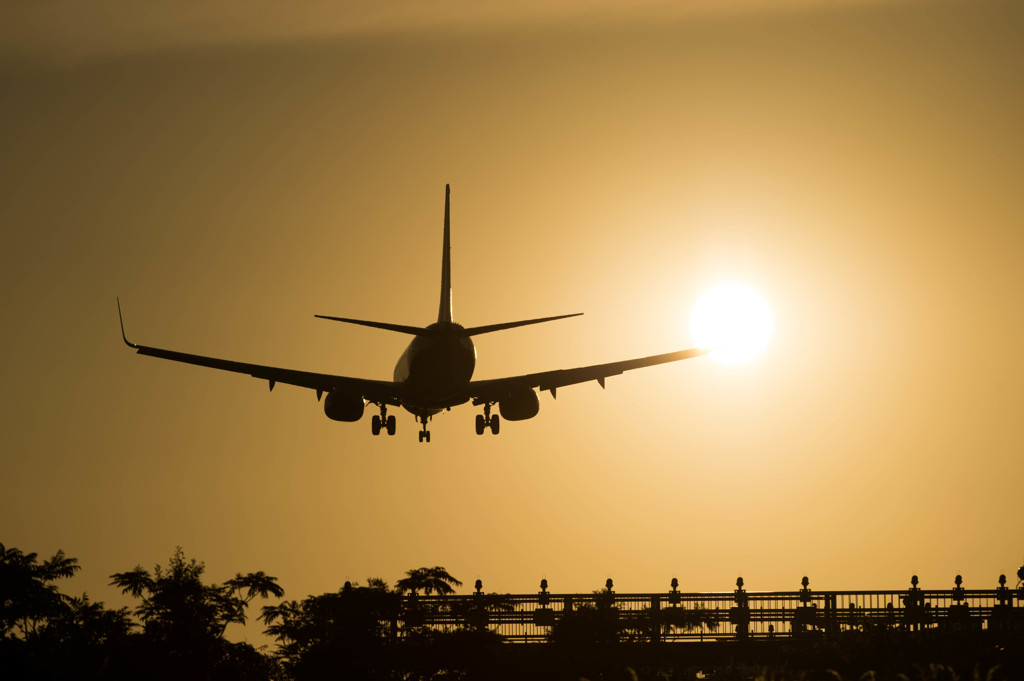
[
  {"x": 487, "y": 420},
  {"x": 383, "y": 421},
  {"x": 424, "y": 434}
]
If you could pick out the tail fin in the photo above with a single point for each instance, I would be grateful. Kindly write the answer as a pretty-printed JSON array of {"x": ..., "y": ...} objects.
[{"x": 444, "y": 312}]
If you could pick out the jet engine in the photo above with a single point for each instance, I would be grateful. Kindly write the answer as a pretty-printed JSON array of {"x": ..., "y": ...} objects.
[
  {"x": 341, "y": 406},
  {"x": 519, "y": 406}
]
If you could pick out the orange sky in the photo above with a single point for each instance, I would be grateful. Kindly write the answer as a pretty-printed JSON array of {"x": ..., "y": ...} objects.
[
  {"x": 860, "y": 165},
  {"x": 67, "y": 30}
]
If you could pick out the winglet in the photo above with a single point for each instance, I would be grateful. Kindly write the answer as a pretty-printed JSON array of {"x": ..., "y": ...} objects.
[{"x": 121, "y": 319}]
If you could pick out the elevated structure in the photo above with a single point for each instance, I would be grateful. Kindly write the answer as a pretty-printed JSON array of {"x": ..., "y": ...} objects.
[{"x": 676, "y": 616}]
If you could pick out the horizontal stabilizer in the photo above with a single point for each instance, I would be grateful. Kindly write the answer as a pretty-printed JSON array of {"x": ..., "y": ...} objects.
[
  {"x": 400, "y": 328},
  {"x": 477, "y": 330}
]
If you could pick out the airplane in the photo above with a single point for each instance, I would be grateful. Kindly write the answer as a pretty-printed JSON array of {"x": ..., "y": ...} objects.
[{"x": 434, "y": 374}]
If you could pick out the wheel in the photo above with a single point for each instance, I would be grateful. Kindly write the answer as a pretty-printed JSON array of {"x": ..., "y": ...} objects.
[
  {"x": 426, "y": 436},
  {"x": 479, "y": 424},
  {"x": 421, "y": 436},
  {"x": 391, "y": 425},
  {"x": 375, "y": 425},
  {"x": 495, "y": 424}
]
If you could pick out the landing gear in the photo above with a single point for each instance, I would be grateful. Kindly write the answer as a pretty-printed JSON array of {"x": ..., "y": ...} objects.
[
  {"x": 383, "y": 421},
  {"x": 487, "y": 420},
  {"x": 424, "y": 433}
]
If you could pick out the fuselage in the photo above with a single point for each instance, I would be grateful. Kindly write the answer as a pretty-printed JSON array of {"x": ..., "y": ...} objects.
[{"x": 435, "y": 369}]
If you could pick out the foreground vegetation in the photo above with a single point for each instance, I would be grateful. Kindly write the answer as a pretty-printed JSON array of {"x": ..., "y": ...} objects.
[{"x": 177, "y": 631}]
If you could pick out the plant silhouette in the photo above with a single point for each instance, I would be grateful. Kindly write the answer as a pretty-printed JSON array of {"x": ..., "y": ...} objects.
[
  {"x": 183, "y": 619},
  {"x": 347, "y": 634},
  {"x": 418, "y": 632},
  {"x": 27, "y": 591},
  {"x": 429, "y": 580}
]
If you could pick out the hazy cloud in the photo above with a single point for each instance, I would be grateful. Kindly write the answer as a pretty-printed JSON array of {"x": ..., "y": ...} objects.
[{"x": 74, "y": 29}]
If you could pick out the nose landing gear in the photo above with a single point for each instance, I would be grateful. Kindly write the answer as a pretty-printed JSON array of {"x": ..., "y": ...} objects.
[
  {"x": 487, "y": 420},
  {"x": 424, "y": 434}
]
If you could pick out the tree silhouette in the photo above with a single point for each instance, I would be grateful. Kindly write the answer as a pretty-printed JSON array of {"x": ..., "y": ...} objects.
[
  {"x": 348, "y": 634},
  {"x": 587, "y": 626},
  {"x": 27, "y": 590},
  {"x": 176, "y": 605},
  {"x": 184, "y": 619},
  {"x": 175, "y": 600},
  {"x": 49, "y": 635},
  {"x": 253, "y": 584},
  {"x": 86, "y": 641},
  {"x": 87, "y": 623},
  {"x": 428, "y": 580},
  {"x": 475, "y": 613},
  {"x": 678, "y": 618}
]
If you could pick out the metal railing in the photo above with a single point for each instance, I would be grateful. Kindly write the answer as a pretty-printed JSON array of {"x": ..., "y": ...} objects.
[{"x": 676, "y": 616}]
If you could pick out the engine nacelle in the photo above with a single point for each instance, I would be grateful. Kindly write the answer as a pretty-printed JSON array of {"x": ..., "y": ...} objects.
[
  {"x": 341, "y": 406},
  {"x": 519, "y": 406}
]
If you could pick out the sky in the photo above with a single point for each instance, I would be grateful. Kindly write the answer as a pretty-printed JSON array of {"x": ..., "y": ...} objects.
[{"x": 229, "y": 174}]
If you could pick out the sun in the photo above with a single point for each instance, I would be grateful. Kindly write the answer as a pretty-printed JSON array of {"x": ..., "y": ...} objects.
[{"x": 733, "y": 318}]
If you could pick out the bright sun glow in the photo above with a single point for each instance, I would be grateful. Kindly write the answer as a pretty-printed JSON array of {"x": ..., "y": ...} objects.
[{"x": 733, "y": 318}]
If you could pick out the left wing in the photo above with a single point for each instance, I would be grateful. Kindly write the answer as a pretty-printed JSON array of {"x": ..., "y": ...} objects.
[
  {"x": 494, "y": 389},
  {"x": 386, "y": 392}
]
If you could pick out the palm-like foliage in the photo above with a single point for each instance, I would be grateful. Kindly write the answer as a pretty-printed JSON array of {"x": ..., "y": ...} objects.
[
  {"x": 256, "y": 584},
  {"x": 429, "y": 580},
  {"x": 27, "y": 590},
  {"x": 354, "y": 611},
  {"x": 476, "y": 613},
  {"x": 136, "y": 582},
  {"x": 588, "y": 626},
  {"x": 176, "y": 604},
  {"x": 89, "y": 623},
  {"x": 340, "y": 634},
  {"x": 683, "y": 619},
  {"x": 253, "y": 584},
  {"x": 184, "y": 619}
]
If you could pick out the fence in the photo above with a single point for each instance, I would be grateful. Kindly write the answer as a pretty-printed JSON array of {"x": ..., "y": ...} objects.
[{"x": 740, "y": 614}]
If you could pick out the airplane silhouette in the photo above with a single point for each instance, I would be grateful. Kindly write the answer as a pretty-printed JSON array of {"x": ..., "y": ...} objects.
[{"x": 433, "y": 374}]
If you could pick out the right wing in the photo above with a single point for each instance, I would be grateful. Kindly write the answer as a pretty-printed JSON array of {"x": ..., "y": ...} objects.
[
  {"x": 386, "y": 392},
  {"x": 493, "y": 390}
]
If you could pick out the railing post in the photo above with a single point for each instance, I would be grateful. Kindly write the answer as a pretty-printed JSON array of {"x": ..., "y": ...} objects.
[
  {"x": 830, "y": 614},
  {"x": 543, "y": 616},
  {"x": 655, "y": 619},
  {"x": 959, "y": 612},
  {"x": 1002, "y": 611},
  {"x": 740, "y": 615},
  {"x": 913, "y": 606},
  {"x": 807, "y": 614}
]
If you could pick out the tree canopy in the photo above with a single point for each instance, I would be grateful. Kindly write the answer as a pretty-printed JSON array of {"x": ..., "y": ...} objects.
[{"x": 429, "y": 580}]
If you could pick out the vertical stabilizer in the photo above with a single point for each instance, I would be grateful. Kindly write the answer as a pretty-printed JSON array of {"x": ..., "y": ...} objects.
[{"x": 444, "y": 313}]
